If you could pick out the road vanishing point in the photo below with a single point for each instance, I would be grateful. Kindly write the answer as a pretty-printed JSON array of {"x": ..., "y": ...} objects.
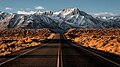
[{"x": 59, "y": 52}]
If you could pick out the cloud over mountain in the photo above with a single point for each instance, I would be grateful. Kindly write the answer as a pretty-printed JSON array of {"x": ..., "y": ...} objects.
[
  {"x": 9, "y": 8},
  {"x": 25, "y": 12},
  {"x": 39, "y": 8}
]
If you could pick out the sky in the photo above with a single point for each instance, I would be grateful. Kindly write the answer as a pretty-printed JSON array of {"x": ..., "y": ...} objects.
[{"x": 91, "y": 6}]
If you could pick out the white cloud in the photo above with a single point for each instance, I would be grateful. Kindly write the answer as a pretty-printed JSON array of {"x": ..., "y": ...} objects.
[
  {"x": 39, "y": 8},
  {"x": 25, "y": 8},
  {"x": 105, "y": 14},
  {"x": 28, "y": 9},
  {"x": 8, "y": 8},
  {"x": 25, "y": 12}
]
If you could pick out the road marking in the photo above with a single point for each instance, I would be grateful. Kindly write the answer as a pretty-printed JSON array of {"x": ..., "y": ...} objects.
[
  {"x": 93, "y": 53},
  {"x": 20, "y": 55},
  {"x": 61, "y": 59},
  {"x": 101, "y": 56},
  {"x": 98, "y": 55},
  {"x": 58, "y": 58}
]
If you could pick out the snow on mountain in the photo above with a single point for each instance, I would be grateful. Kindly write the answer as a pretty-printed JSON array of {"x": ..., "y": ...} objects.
[
  {"x": 24, "y": 12},
  {"x": 75, "y": 18},
  {"x": 58, "y": 21},
  {"x": 103, "y": 14},
  {"x": 108, "y": 20},
  {"x": 29, "y": 21}
]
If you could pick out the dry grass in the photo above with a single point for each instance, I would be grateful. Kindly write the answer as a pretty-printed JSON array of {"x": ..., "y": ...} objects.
[
  {"x": 14, "y": 40},
  {"x": 107, "y": 40}
]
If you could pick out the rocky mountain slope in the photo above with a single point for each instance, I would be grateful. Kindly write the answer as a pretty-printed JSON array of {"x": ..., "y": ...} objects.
[
  {"x": 109, "y": 20},
  {"x": 57, "y": 21}
]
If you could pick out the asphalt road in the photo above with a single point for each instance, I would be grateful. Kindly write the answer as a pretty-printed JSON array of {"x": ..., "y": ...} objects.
[
  {"x": 45, "y": 56},
  {"x": 78, "y": 56},
  {"x": 59, "y": 52}
]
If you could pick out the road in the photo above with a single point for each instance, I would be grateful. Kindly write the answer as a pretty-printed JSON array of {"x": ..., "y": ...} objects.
[
  {"x": 59, "y": 52},
  {"x": 78, "y": 57}
]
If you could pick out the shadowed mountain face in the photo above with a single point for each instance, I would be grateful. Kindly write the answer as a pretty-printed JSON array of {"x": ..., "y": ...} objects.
[{"x": 57, "y": 21}]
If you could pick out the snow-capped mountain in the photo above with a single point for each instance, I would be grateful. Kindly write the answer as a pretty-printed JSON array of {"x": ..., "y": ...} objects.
[
  {"x": 30, "y": 21},
  {"x": 74, "y": 17},
  {"x": 57, "y": 21},
  {"x": 103, "y": 14},
  {"x": 108, "y": 20}
]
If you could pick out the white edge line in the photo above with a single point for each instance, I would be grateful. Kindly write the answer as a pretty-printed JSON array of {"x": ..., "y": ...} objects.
[
  {"x": 102, "y": 57},
  {"x": 19, "y": 55},
  {"x": 96, "y": 54}
]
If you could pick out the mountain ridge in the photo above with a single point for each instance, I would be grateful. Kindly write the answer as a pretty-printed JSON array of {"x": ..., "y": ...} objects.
[{"x": 58, "y": 21}]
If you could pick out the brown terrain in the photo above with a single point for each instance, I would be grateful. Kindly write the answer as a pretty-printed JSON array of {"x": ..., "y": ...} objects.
[
  {"x": 13, "y": 40},
  {"x": 107, "y": 40}
]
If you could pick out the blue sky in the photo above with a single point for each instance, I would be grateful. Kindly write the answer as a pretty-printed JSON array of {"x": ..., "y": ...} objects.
[{"x": 91, "y": 6}]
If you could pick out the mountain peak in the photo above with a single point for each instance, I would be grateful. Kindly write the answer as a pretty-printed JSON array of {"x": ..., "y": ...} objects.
[
  {"x": 58, "y": 21},
  {"x": 71, "y": 9}
]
